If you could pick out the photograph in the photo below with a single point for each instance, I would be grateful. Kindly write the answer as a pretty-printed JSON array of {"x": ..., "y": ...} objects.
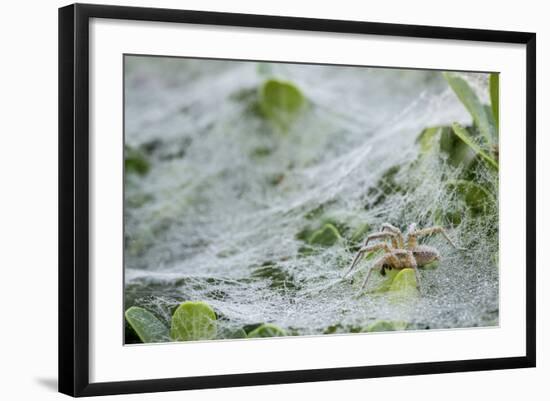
[{"x": 271, "y": 199}]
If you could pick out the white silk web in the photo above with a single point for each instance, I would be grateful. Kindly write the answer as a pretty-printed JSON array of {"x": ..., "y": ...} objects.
[{"x": 217, "y": 216}]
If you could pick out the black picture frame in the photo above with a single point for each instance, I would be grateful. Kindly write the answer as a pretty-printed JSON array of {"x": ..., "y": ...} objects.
[{"x": 74, "y": 198}]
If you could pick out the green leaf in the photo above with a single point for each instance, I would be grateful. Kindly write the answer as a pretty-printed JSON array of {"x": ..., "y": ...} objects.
[
  {"x": 474, "y": 195},
  {"x": 193, "y": 321},
  {"x": 494, "y": 88},
  {"x": 386, "y": 325},
  {"x": 442, "y": 139},
  {"x": 280, "y": 102},
  {"x": 148, "y": 328},
  {"x": 482, "y": 120},
  {"x": 404, "y": 286},
  {"x": 267, "y": 330},
  {"x": 427, "y": 139},
  {"x": 463, "y": 134},
  {"x": 326, "y": 236},
  {"x": 389, "y": 275},
  {"x": 404, "y": 280}
]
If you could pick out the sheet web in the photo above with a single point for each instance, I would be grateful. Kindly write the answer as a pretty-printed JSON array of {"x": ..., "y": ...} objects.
[{"x": 218, "y": 217}]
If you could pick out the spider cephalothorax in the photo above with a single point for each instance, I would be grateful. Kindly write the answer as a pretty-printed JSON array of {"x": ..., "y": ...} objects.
[{"x": 402, "y": 253}]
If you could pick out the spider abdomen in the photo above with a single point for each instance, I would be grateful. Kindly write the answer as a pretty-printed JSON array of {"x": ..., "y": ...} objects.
[{"x": 424, "y": 254}]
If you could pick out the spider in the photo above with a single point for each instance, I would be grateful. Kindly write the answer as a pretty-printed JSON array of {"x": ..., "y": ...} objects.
[{"x": 402, "y": 254}]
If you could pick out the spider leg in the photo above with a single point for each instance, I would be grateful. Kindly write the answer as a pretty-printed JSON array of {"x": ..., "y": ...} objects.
[
  {"x": 397, "y": 241},
  {"x": 358, "y": 257},
  {"x": 414, "y": 265},
  {"x": 379, "y": 235},
  {"x": 390, "y": 227},
  {"x": 379, "y": 263},
  {"x": 414, "y": 235},
  {"x": 366, "y": 279},
  {"x": 362, "y": 252},
  {"x": 417, "y": 276}
]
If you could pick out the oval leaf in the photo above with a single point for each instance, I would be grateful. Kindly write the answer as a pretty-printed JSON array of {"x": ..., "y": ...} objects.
[
  {"x": 389, "y": 276},
  {"x": 404, "y": 286},
  {"x": 148, "y": 328},
  {"x": 404, "y": 280},
  {"x": 280, "y": 102},
  {"x": 193, "y": 321},
  {"x": 386, "y": 325},
  {"x": 267, "y": 330},
  {"x": 326, "y": 236}
]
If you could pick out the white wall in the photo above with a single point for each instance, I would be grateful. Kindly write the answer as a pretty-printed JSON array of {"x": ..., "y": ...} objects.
[{"x": 28, "y": 200}]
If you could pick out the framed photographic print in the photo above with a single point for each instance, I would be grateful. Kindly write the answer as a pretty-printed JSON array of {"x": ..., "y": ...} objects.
[{"x": 250, "y": 199}]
